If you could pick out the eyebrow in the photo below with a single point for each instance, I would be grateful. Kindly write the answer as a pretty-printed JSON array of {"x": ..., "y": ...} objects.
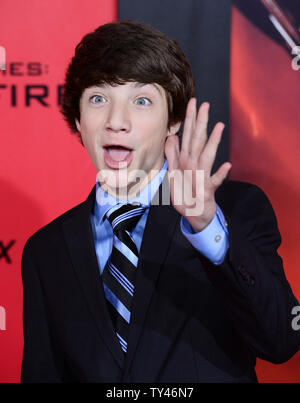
[{"x": 138, "y": 85}]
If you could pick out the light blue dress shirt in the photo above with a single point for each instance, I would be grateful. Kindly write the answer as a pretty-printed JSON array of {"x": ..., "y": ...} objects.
[{"x": 212, "y": 242}]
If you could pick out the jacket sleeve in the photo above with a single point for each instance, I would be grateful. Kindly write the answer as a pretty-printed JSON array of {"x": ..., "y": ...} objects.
[
  {"x": 251, "y": 279},
  {"x": 38, "y": 363}
]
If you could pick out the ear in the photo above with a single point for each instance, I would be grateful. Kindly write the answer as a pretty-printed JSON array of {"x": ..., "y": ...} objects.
[
  {"x": 78, "y": 125},
  {"x": 174, "y": 129}
]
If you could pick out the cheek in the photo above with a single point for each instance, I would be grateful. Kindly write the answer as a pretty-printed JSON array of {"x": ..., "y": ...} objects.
[
  {"x": 89, "y": 141},
  {"x": 159, "y": 136},
  {"x": 89, "y": 129},
  {"x": 153, "y": 129},
  {"x": 88, "y": 124}
]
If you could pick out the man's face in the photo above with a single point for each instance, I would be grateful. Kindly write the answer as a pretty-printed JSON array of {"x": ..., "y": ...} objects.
[{"x": 124, "y": 129}]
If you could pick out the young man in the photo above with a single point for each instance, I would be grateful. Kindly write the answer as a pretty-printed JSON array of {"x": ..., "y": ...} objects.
[{"x": 128, "y": 286}]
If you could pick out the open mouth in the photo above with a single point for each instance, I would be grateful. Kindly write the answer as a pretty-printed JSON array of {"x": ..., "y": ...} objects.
[{"x": 117, "y": 156}]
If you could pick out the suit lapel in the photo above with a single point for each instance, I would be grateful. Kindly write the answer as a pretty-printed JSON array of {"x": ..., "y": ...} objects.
[
  {"x": 79, "y": 238},
  {"x": 159, "y": 229}
]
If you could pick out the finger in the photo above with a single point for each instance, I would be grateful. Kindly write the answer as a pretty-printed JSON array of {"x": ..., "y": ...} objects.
[
  {"x": 210, "y": 150},
  {"x": 189, "y": 125},
  {"x": 200, "y": 134},
  {"x": 221, "y": 174},
  {"x": 172, "y": 152}
]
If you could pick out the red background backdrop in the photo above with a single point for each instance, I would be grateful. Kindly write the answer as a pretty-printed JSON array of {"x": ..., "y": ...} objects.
[{"x": 44, "y": 170}]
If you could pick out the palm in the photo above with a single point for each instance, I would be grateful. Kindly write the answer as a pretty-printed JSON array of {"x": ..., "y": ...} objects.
[{"x": 192, "y": 187}]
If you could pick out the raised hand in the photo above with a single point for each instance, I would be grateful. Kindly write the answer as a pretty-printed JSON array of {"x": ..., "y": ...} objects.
[{"x": 192, "y": 187}]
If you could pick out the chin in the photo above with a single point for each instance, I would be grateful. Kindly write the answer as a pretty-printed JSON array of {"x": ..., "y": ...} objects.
[{"x": 114, "y": 178}]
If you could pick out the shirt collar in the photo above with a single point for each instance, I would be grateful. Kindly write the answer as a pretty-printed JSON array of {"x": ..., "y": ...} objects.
[{"x": 104, "y": 201}]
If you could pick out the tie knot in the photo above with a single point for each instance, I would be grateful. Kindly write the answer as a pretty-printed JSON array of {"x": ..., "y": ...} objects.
[{"x": 124, "y": 216}]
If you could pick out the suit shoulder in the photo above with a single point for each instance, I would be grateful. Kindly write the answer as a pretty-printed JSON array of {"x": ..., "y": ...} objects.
[
  {"x": 237, "y": 194},
  {"x": 234, "y": 189},
  {"x": 52, "y": 228},
  {"x": 238, "y": 186}
]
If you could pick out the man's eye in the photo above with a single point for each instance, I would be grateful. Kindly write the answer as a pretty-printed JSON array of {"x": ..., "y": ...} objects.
[
  {"x": 143, "y": 101},
  {"x": 98, "y": 99}
]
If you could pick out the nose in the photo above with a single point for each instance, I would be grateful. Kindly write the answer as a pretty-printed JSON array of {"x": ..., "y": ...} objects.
[{"x": 117, "y": 118}]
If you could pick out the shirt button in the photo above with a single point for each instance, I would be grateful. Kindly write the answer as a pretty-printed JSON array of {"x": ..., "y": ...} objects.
[
  {"x": 218, "y": 238},
  {"x": 226, "y": 224}
]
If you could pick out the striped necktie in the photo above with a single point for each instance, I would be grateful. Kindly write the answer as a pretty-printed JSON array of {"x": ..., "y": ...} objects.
[{"x": 120, "y": 270}]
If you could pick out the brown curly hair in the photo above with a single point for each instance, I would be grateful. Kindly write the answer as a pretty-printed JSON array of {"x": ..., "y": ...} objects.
[{"x": 128, "y": 51}]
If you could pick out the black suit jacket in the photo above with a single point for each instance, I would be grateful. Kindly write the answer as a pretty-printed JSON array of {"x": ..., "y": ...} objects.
[{"x": 191, "y": 321}]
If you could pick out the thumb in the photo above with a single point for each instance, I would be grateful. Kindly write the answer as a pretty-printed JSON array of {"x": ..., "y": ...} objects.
[
  {"x": 221, "y": 174},
  {"x": 172, "y": 151}
]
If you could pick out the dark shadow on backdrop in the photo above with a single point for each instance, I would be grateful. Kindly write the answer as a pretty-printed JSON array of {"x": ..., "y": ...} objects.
[
  {"x": 256, "y": 12},
  {"x": 202, "y": 28}
]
